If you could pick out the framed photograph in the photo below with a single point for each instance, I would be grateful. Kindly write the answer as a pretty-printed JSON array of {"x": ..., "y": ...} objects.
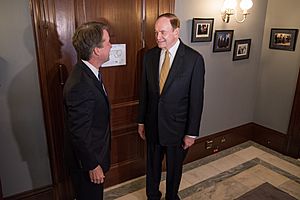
[
  {"x": 283, "y": 39},
  {"x": 223, "y": 40},
  {"x": 241, "y": 49},
  {"x": 202, "y": 29}
]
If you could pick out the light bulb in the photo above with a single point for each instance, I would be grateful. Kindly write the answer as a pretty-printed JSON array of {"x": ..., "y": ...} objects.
[
  {"x": 246, "y": 4},
  {"x": 229, "y": 4}
]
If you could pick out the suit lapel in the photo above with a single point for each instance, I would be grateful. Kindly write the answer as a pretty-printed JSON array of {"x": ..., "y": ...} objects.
[
  {"x": 96, "y": 82},
  {"x": 177, "y": 63},
  {"x": 155, "y": 69}
]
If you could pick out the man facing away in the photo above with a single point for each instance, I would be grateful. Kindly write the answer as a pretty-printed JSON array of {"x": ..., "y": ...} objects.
[
  {"x": 87, "y": 113},
  {"x": 171, "y": 103}
]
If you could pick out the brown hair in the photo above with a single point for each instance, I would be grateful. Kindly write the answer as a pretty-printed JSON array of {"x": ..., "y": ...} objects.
[
  {"x": 88, "y": 36},
  {"x": 175, "y": 22}
]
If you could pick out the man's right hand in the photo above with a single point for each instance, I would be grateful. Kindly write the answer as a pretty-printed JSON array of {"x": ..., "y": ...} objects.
[
  {"x": 141, "y": 131},
  {"x": 96, "y": 175}
]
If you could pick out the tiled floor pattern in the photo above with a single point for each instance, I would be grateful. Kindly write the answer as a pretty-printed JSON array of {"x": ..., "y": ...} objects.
[{"x": 225, "y": 175}]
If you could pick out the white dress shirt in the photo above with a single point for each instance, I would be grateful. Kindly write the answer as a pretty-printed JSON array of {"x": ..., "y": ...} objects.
[
  {"x": 92, "y": 67},
  {"x": 95, "y": 71},
  {"x": 172, "y": 53}
]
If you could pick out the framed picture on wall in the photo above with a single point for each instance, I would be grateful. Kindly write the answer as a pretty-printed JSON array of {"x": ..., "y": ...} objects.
[
  {"x": 202, "y": 29},
  {"x": 223, "y": 40},
  {"x": 241, "y": 49},
  {"x": 283, "y": 39}
]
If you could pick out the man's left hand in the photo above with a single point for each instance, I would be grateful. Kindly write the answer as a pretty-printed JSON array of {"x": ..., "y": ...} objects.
[{"x": 188, "y": 142}]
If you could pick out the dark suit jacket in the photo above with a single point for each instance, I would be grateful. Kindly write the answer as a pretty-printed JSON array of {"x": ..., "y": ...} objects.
[
  {"x": 87, "y": 120},
  {"x": 177, "y": 111}
]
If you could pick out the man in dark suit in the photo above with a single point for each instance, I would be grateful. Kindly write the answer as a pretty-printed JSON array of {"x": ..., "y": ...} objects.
[
  {"x": 171, "y": 103},
  {"x": 87, "y": 113}
]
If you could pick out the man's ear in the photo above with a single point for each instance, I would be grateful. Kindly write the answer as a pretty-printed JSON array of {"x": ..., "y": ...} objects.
[
  {"x": 96, "y": 51},
  {"x": 176, "y": 31}
]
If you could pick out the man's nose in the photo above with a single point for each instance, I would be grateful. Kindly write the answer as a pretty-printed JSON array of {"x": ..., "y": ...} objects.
[{"x": 158, "y": 35}]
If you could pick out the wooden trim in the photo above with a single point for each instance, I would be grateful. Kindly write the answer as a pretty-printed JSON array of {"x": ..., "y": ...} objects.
[
  {"x": 251, "y": 131},
  {"x": 293, "y": 148},
  {"x": 45, "y": 193},
  {"x": 166, "y": 6},
  {"x": 1, "y": 194},
  {"x": 269, "y": 138},
  {"x": 42, "y": 17},
  {"x": 211, "y": 144}
]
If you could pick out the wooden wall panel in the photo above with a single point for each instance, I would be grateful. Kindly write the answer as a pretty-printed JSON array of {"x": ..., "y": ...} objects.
[
  {"x": 165, "y": 6},
  {"x": 124, "y": 115},
  {"x": 52, "y": 42}
]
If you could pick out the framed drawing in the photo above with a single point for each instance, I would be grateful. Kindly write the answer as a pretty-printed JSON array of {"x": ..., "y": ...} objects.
[
  {"x": 241, "y": 49},
  {"x": 202, "y": 29},
  {"x": 283, "y": 39},
  {"x": 223, "y": 40}
]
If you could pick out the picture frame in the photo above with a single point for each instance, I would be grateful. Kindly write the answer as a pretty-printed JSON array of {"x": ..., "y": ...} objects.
[
  {"x": 241, "y": 49},
  {"x": 283, "y": 39},
  {"x": 202, "y": 29},
  {"x": 223, "y": 40}
]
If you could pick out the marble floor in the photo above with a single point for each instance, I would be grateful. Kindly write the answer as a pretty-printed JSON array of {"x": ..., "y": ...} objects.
[{"x": 225, "y": 175}]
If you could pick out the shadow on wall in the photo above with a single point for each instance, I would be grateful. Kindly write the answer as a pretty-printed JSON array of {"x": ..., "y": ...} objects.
[
  {"x": 24, "y": 102},
  {"x": 3, "y": 68}
]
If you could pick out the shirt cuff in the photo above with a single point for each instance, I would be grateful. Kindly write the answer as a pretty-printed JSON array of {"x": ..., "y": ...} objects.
[{"x": 192, "y": 136}]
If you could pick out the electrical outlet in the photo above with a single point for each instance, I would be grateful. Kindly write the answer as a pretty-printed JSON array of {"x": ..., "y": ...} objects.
[
  {"x": 209, "y": 144},
  {"x": 223, "y": 140}
]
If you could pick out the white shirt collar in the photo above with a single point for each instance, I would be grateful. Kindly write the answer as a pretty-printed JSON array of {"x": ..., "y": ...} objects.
[
  {"x": 92, "y": 67},
  {"x": 174, "y": 48},
  {"x": 172, "y": 52}
]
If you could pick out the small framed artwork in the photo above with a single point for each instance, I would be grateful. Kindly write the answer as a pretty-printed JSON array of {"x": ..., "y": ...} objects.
[
  {"x": 202, "y": 29},
  {"x": 241, "y": 49},
  {"x": 223, "y": 40},
  {"x": 283, "y": 39}
]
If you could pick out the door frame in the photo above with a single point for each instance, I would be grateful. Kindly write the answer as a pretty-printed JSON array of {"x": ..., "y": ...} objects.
[{"x": 293, "y": 134}]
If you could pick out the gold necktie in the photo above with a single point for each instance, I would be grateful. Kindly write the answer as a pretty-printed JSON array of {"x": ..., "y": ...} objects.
[{"x": 164, "y": 71}]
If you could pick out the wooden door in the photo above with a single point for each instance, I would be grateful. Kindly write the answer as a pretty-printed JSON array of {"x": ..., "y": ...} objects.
[{"x": 132, "y": 23}]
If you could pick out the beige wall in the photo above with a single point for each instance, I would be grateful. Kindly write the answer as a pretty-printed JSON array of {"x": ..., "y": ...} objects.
[
  {"x": 230, "y": 86},
  {"x": 278, "y": 70}
]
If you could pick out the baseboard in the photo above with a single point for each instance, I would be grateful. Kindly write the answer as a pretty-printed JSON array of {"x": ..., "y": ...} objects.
[
  {"x": 203, "y": 147},
  {"x": 45, "y": 193},
  {"x": 223, "y": 140},
  {"x": 1, "y": 194},
  {"x": 211, "y": 144},
  {"x": 270, "y": 138}
]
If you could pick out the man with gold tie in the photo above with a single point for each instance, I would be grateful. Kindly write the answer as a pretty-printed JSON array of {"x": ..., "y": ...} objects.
[{"x": 171, "y": 103}]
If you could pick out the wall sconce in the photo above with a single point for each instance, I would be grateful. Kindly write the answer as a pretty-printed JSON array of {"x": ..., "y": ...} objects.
[{"x": 229, "y": 8}]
